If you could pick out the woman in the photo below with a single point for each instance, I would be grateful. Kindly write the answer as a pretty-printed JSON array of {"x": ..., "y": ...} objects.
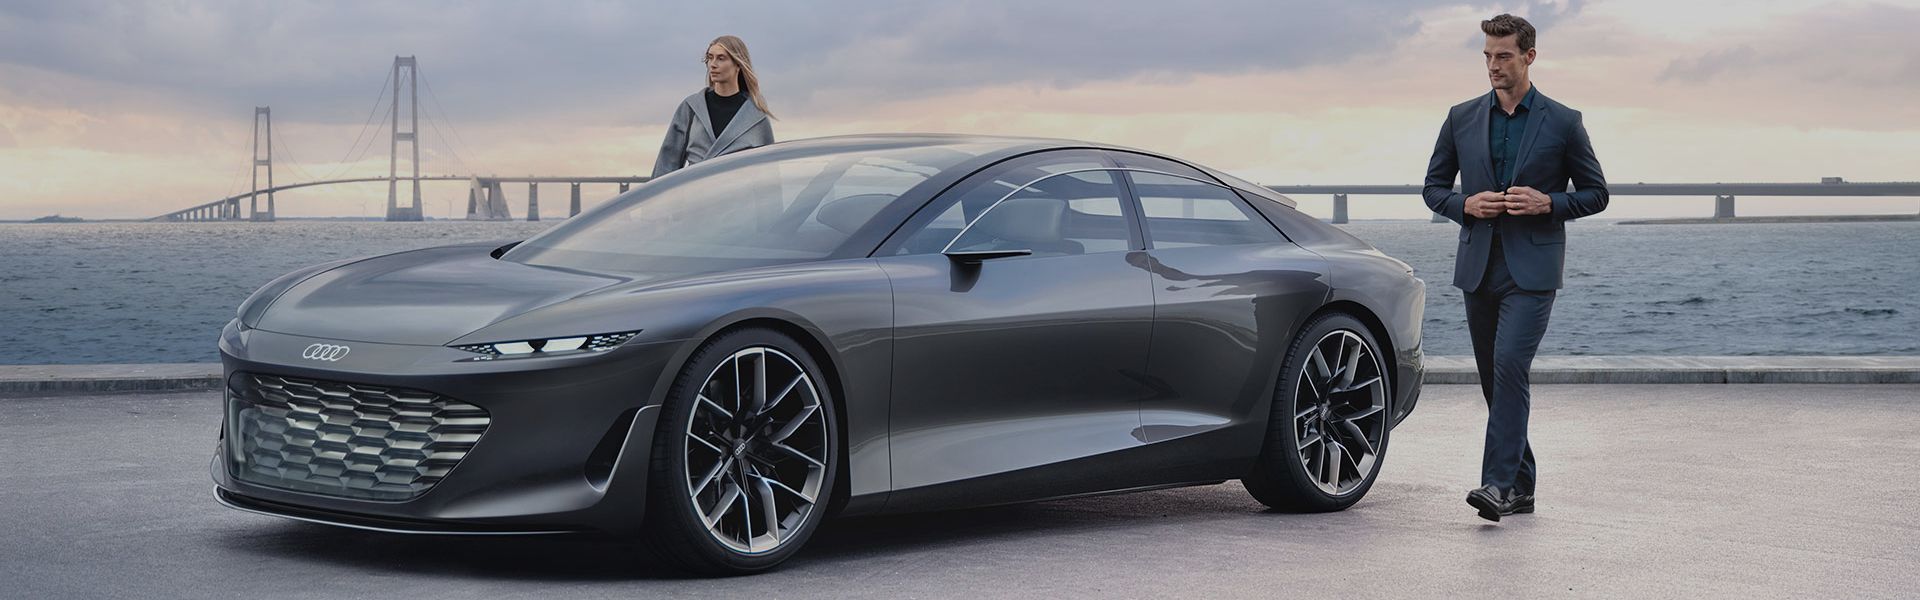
[{"x": 728, "y": 116}]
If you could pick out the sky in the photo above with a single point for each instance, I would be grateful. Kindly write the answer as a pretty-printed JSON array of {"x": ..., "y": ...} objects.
[{"x": 128, "y": 109}]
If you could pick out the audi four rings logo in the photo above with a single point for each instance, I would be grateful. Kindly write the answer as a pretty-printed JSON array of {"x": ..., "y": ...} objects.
[{"x": 325, "y": 352}]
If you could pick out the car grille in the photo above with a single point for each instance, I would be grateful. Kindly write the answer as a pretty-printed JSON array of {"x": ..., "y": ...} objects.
[{"x": 344, "y": 439}]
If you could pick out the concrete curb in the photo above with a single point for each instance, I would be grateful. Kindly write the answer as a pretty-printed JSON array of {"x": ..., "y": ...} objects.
[
  {"x": 101, "y": 379},
  {"x": 24, "y": 380},
  {"x": 1694, "y": 369}
]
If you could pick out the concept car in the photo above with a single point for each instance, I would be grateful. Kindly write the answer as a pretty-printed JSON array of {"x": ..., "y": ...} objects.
[{"x": 722, "y": 358}]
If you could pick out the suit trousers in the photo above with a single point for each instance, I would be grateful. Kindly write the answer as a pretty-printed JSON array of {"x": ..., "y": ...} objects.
[{"x": 1506, "y": 324}]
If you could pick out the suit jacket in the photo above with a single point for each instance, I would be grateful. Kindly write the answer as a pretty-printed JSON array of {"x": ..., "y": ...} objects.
[
  {"x": 691, "y": 138},
  {"x": 1553, "y": 150}
]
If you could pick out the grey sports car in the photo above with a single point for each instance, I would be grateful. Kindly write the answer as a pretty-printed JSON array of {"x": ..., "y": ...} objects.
[{"x": 722, "y": 358}]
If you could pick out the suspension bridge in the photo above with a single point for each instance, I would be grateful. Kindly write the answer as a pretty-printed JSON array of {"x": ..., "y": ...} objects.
[{"x": 486, "y": 199}]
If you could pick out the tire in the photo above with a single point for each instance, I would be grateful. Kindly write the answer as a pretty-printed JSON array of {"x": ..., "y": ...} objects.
[
  {"x": 732, "y": 489},
  {"x": 1291, "y": 475}
]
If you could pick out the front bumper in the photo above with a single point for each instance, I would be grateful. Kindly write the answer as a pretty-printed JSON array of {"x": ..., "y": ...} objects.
[{"x": 565, "y": 445}]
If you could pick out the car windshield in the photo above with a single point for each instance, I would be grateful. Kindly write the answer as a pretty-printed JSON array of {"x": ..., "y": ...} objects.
[{"x": 779, "y": 204}]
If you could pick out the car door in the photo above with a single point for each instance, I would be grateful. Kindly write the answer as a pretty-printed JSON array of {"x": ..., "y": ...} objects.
[
  {"x": 1016, "y": 373},
  {"x": 1229, "y": 293}
]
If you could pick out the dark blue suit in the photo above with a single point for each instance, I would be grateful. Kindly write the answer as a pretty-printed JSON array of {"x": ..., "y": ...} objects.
[{"x": 1509, "y": 266}]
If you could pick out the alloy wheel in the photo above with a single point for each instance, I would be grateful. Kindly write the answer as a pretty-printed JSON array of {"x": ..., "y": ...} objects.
[
  {"x": 1340, "y": 414},
  {"x": 757, "y": 450}
]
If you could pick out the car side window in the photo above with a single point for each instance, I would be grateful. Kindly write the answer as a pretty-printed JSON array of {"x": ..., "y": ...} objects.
[
  {"x": 1069, "y": 213},
  {"x": 1183, "y": 207},
  {"x": 1057, "y": 203}
]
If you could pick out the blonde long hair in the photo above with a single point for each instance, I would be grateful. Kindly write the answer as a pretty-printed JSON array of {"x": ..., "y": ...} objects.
[{"x": 737, "y": 50}]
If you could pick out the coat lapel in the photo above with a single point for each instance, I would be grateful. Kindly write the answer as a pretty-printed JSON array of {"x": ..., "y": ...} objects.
[
  {"x": 748, "y": 116},
  {"x": 1481, "y": 154},
  {"x": 1536, "y": 120},
  {"x": 703, "y": 121}
]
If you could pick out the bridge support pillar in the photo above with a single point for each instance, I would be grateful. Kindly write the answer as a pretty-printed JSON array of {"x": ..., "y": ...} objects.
[
  {"x": 404, "y": 213},
  {"x": 1723, "y": 207},
  {"x": 497, "y": 203},
  {"x": 473, "y": 199},
  {"x": 533, "y": 201},
  {"x": 573, "y": 210},
  {"x": 1339, "y": 209},
  {"x": 262, "y": 157},
  {"x": 411, "y": 211},
  {"x": 623, "y": 187}
]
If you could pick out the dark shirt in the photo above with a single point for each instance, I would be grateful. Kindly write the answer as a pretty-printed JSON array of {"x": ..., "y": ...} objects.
[
  {"x": 722, "y": 108},
  {"x": 1505, "y": 137}
]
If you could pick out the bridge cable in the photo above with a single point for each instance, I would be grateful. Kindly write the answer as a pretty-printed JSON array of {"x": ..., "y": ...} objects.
[
  {"x": 443, "y": 113},
  {"x": 362, "y": 151},
  {"x": 443, "y": 140},
  {"x": 239, "y": 175},
  {"x": 292, "y": 161},
  {"x": 385, "y": 82}
]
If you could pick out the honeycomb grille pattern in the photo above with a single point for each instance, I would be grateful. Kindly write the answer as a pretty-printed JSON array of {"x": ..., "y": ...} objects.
[{"x": 348, "y": 440}]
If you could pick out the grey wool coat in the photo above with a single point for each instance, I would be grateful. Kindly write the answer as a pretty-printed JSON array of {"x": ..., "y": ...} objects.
[{"x": 691, "y": 138}]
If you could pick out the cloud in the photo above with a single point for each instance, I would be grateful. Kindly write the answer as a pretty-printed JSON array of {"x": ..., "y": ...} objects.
[
  {"x": 1865, "y": 47},
  {"x": 944, "y": 47},
  {"x": 1705, "y": 66},
  {"x": 1547, "y": 14},
  {"x": 496, "y": 59},
  {"x": 108, "y": 96},
  {"x": 1544, "y": 15}
]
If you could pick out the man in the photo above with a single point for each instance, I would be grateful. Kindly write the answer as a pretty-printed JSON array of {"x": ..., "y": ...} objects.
[{"x": 1514, "y": 150}]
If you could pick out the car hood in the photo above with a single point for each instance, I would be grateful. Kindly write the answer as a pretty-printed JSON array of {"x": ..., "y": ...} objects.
[{"x": 423, "y": 297}]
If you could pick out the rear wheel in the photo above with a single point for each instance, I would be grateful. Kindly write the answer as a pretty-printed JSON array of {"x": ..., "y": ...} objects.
[
  {"x": 1327, "y": 432},
  {"x": 744, "y": 457}
]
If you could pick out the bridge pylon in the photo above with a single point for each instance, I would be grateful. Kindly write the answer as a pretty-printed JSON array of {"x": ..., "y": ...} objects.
[
  {"x": 486, "y": 202},
  {"x": 410, "y": 212},
  {"x": 262, "y": 115}
]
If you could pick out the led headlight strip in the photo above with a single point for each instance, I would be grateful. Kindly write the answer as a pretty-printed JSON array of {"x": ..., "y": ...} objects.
[{"x": 549, "y": 346}]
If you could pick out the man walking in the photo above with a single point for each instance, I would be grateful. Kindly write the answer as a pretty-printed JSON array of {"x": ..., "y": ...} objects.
[{"x": 1514, "y": 150}]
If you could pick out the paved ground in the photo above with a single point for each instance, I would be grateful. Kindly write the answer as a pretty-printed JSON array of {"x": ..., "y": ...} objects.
[{"x": 1647, "y": 491}]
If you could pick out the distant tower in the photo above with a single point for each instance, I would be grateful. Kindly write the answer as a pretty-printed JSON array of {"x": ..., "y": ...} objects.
[
  {"x": 262, "y": 116},
  {"x": 411, "y": 212}
]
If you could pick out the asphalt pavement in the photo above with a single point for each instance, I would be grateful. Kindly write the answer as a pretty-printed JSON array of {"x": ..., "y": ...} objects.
[{"x": 1646, "y": 491}]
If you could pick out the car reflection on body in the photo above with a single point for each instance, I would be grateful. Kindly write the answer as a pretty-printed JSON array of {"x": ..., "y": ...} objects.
[{"x": 721, "y": 358}]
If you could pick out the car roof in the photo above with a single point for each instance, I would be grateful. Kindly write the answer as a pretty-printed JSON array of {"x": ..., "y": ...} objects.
[
  {"x": 994, "y": 148},
  {"x": 994, "y": 144}
]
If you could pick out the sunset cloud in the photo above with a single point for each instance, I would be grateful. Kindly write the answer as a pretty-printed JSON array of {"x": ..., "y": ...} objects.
[{"x": 128, "y": 109}]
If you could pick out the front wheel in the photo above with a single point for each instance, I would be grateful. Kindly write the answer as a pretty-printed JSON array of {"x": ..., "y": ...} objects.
[
  {"x": 1328, "y": 429},
  {"x": 744, "y": 457}
]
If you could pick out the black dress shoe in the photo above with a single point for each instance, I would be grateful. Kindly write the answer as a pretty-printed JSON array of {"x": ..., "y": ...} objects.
[
  {"x": 1523, "y": 504},
  {"x": 1493, "y": 503}
]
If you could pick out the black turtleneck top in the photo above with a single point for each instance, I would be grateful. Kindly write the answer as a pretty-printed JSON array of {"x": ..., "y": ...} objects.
[{"x": 722, "y": 108}]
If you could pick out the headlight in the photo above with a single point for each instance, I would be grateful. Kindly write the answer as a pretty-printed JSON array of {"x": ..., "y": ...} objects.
[{"x": 548, "y": 347}]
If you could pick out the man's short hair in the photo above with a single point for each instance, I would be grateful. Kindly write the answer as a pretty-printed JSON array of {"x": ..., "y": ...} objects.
[{"x": 1506, "y": 25}]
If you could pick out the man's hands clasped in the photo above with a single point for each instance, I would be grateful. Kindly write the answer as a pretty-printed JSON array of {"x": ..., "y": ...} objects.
[{"x": 1518, "y": 200}]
